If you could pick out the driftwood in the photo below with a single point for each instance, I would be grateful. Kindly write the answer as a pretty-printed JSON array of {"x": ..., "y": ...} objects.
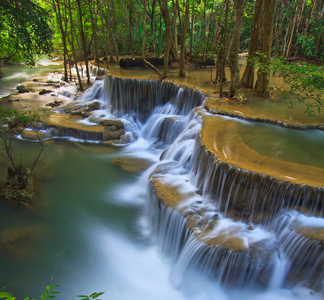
[{"x": 150, "y": 66}]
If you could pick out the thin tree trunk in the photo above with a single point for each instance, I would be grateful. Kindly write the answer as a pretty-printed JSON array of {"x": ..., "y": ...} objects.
[
  {"x": 94, "y": 32},
  {"x": 114, "y": 31},
  {"x": 146, "y": 63},
  {"x": 247, "y": 80},
  {"x": 167, "y": 20},
  {"x": 184, "y": 29},
  {"x": 222, "y": 53},
  {"x": 143, "y": 34},
  {"x": 262, "y": 85},
  {"x": 73, "y": 49},
  {"x": 292, "y": 33},
  {"x": 84, "y": 44},
  {"x": 235, "y": 85},
  {"x": 191, "y": 32},
  {"x": 130, "y": 24},
  {"x": 153, "y": 33},
  {"x": 57, "y": 10},
  {"x": 174, "y": 43}
]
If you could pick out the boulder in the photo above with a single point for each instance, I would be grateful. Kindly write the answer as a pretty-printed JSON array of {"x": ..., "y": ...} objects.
[
  {"x": 113, "y": 135},
  {"x": 45, "y": 91},
  {"x": 95, "y": 105},
  {"x": 111, "y": 122}
]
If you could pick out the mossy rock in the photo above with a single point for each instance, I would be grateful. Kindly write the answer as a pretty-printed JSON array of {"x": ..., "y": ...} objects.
[
  {"x": 22, "y": 89},
  {"x": 19, "y": 188}
]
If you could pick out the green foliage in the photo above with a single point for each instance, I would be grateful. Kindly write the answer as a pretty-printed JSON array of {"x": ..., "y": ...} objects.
[
  {"x": 25, "y": 33},
  {"x": 90, "y": 297},
  {"x": 15, "y": 118},
  {"x": 49, "y": 294},
  {"x": 306, "y": 81},
  {"x": 15, "y": 122}
]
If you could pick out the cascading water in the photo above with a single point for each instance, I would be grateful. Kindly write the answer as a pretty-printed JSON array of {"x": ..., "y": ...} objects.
[{"x": 218, "y": 224}]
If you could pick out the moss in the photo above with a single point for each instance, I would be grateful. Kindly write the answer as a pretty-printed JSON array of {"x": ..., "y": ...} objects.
[{"x": 19, "y": 187}]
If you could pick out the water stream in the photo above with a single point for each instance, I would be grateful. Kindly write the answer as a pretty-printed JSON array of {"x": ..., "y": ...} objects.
[
  {"x": 13, "y": 75},
  {"x": 120, "y": 238}
]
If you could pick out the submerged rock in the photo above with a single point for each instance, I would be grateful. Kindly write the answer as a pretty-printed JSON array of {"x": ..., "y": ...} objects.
[
  {"x": 132, "y": 164},
  {"x": 20, "y": 241}
]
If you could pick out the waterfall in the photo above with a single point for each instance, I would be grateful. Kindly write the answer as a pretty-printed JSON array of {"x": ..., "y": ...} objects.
[
  {"x": 236, "y": 227},
  {"x": 250, "y": 196},
  {"x": 140, "y": 96}
]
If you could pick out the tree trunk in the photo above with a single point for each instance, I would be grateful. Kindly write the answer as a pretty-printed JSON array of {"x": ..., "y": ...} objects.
[
  {"x": 152, "y": 16},
  {"x": 57, "y": 10},
  {"x": 114, "y": 29},
  {"x": 235, "y": 85},
  {"x": 222, "y": 55},
  {"x": 292, "y": 32},
  {"x": 174, "y": 43},
  {"x": 191, "y": 32},
  {"x": 167, "y": 20},
  {"x": 247, "y": 80},
  {"x": 73, "y": 49},
  {"x": 94, "y": 32},
  {"x": 143, "y": 35},
  {"x": 262, "y": 85},
  {"x": 130, "y": 24},
  {"x": 84, "y": 44},
  {"x": 184, "y": 29}
]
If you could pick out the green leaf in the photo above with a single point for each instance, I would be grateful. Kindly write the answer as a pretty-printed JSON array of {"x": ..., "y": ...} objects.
[{"x": 6, "y": 296}]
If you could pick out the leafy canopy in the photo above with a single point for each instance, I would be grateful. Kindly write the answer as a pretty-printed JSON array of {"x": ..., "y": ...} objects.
[{"x": 24, "y": 31}]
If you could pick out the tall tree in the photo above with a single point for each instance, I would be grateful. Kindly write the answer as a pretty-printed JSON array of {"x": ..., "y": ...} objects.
[
  {"x": 73, "y": 48},
  {"x": 184, "y": 29},
  {"x": 59, "y": 10},
  {"x": 247, "y": 80},
  {"x": 167, "y": 21},
  {"x": 235, "y": 85},
  {"x": 83, "y": 39},
  {"x": 220, "y": 65},
  {"x": 95, "y": 29},
  {"x": 262, "y": 85},
  {"x": 130, "y": 6}
]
